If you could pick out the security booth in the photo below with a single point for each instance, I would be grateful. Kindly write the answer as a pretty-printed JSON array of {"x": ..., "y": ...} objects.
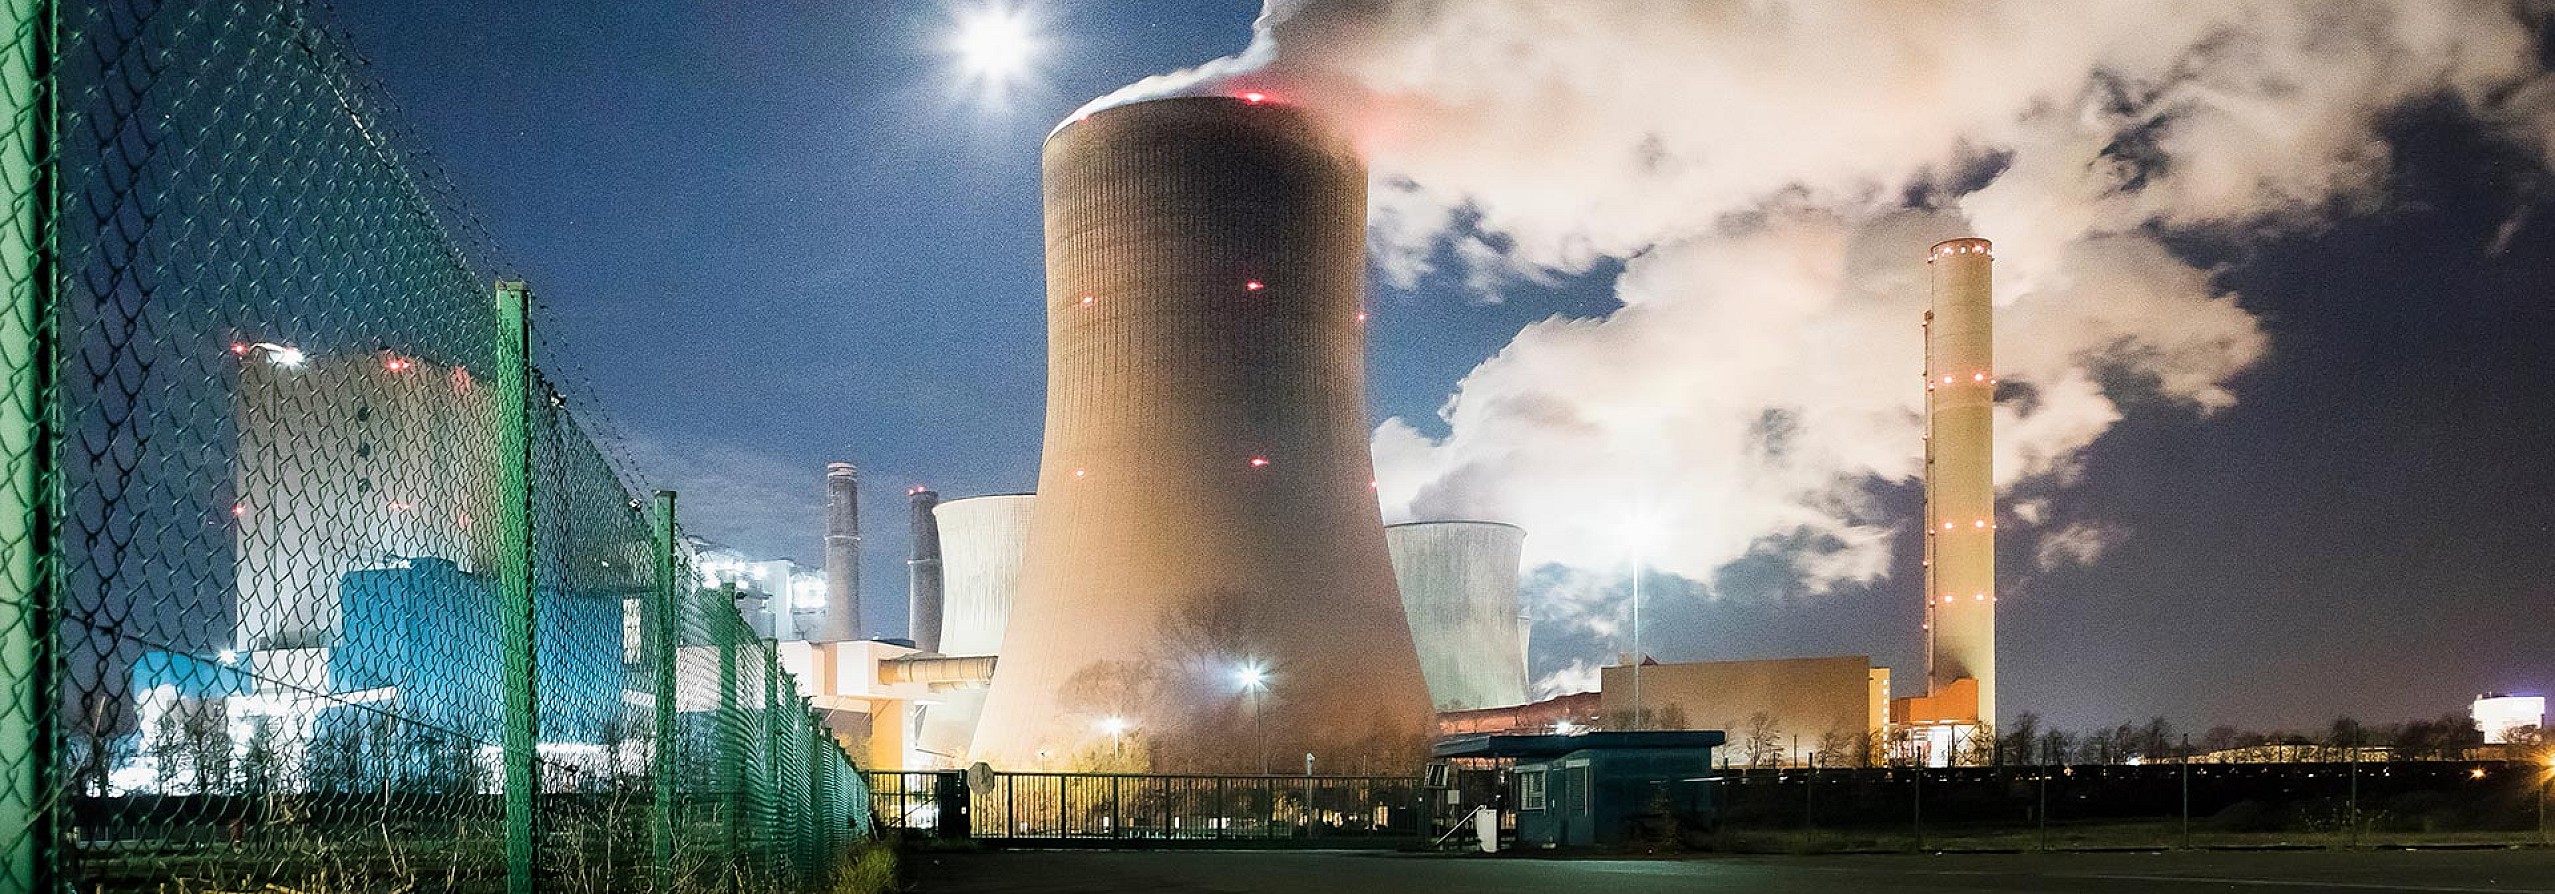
[{"x": 1602, "y": 788}]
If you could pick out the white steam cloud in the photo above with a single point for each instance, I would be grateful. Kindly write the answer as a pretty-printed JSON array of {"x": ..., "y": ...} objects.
[{"x": 1770, "y": 173}]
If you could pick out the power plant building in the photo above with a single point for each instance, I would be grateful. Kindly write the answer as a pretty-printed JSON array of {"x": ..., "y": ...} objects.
[
  {"x": 1460, "y": 592},
  {"x": 1205, "y": 554},
  {"x": 1781, "y": 710},
  {"x": 1960, "y": 497}
]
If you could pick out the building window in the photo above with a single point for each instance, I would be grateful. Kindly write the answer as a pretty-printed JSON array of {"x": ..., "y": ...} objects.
[{"x": 1530, "y": 790}]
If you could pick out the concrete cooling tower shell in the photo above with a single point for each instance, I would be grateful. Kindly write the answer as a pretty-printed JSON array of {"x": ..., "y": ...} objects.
[
  {"x": 1205, "y": 499},
  {"x": 1459, "y": 589},
  {"x": 982, "y": 540}
]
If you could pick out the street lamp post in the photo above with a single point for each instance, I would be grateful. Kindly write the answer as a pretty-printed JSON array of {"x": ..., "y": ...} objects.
[
  {"x": 1636, "y": 640},
  {"x": 1254, "y": 688}
]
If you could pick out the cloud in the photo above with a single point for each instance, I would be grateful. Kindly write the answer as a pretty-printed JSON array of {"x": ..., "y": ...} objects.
[
  {"x": 1770, "y": 173},
  {"x": 1576, "y": 677},
  {"x": 2076, "y": 544}
]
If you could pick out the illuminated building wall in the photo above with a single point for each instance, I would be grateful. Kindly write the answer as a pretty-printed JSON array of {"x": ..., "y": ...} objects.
[
  {"x": 1205, "y": 496},
  {"x": 1960, "y": 484},
  {"x": 1459, "y": 590},
  {"x": 982, "y": 542},
  {"x": 349, "y": 462},
  {"x": 1790, "y": 706},
  {"x": 2497, "y": 716},
  {"x": 778, "y": 599}
]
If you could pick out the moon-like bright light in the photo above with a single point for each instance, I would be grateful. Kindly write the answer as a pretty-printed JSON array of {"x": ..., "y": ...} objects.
[{"x": 996, "y": 44}]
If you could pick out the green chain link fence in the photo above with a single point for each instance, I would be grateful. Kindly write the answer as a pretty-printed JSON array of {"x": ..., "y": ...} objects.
[{"x": 309, "y": 577}]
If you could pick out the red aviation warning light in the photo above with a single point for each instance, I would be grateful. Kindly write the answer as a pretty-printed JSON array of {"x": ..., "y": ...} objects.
[
  {"x": 1255, "y": 98},
  {"x": 1254, "y": 286}
]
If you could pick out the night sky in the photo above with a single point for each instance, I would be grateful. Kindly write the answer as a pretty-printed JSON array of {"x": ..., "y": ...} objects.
[{"x": 775, "y": 235}]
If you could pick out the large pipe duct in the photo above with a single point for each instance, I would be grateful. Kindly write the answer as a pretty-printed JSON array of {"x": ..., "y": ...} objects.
[
  {"x": 922, "y": 573},
  {"x": 842, "y": 556},
  {"x": 1205, "y": 502},
  {"x": 1960, "y": 482}
]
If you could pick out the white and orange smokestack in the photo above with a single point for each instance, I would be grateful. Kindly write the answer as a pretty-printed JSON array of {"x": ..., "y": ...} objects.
[{"x": 1960, "y": 482}]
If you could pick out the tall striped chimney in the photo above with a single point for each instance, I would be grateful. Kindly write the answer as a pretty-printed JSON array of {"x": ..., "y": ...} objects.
[
  {"x": 842, "y": 556},
  {"x": 922, "y": 572},
  {"x": 1960, "y": 481}
]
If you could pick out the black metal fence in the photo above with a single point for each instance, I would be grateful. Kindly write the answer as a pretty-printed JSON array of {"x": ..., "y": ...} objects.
[
  {"x": 1149, "y": 808},
  {"x": 2324, "y": 804}
]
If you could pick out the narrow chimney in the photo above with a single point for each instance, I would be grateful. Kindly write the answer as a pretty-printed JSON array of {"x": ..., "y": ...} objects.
[
  {"x": 842, "y": 556},
  {"x": 922, "y": 572}
]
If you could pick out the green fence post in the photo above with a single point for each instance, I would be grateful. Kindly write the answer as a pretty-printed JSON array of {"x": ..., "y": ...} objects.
[
  {"x": 776, "y": 834},
  {"x": 514, "y": 564},
  {"x": 29, "y": 819},
  {"x": 663, "y": 628},
  {"x": 731, "y": 725}
]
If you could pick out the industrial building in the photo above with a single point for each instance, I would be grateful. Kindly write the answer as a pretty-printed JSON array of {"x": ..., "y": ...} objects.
[
  {"x": 1459, "y": 583},
  {"x": 348, "y": 462},
  {"x": 2498, "y": 716},
  {"x": 777, "y": 598},
  {"x": 1206, "y": 556},
  {"x": 1778, "y": 710},
  {"x": 1960, "y": 504}
]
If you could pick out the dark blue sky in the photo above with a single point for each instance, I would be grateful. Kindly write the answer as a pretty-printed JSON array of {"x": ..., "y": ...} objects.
[{"x": 774, "y": 235}]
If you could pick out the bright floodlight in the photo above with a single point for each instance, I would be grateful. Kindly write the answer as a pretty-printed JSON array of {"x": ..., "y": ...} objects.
[
  {"x": 995, "y": 43},
  {"x": 1251, "y": 676},
  {"x": 1113, "y": 725}
]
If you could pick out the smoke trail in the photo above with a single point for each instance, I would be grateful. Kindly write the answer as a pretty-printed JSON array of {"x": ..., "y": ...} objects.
[{"x": 1770, "y": 173}]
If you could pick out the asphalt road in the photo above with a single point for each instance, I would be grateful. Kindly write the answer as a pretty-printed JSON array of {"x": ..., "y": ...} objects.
[{"x": 1349, "y": 872}]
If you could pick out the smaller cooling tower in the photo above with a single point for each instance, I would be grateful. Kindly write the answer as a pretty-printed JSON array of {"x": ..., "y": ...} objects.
[
  {"x": 982, "y": 540},
  {"x": 1459, "y": 588}
]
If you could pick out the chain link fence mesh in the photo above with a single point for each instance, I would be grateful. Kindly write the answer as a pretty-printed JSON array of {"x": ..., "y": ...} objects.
[{"x": 285, "y": 505}]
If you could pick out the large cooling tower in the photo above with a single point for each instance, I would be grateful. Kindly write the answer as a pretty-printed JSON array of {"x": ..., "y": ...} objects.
[
  {"x": 982, "y": 540},
  {"x": 1459, "y": 589},
  {"x": 1205, "y": 500},
  {"x": 1960, "y": 483}
]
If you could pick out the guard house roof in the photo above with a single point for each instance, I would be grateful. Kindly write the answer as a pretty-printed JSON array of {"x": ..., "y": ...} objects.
[{"x": 1557, "y": 745}]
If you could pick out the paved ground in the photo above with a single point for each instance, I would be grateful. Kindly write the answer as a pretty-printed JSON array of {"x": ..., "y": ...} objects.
[{"x": 1346, "y": 872}]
